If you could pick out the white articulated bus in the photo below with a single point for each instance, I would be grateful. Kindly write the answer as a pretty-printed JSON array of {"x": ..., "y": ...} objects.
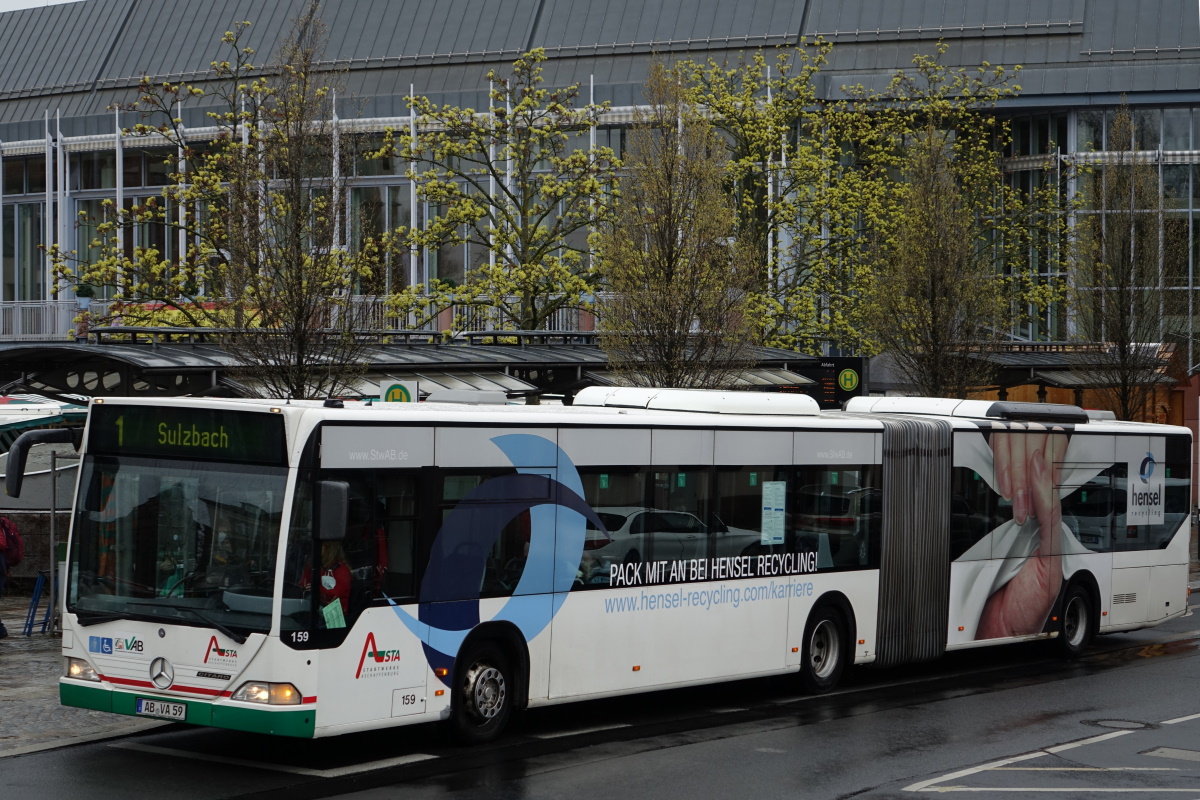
[{"x": 308, "y": 569}]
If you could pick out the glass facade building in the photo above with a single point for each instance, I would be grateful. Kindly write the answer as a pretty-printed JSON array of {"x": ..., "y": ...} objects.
[{"x": 60, "y": 155}]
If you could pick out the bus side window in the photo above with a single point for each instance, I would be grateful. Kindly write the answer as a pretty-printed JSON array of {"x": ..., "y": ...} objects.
[
  {"x": 504, "y": 558},
  {"x": 397, "y": 544},
  {"x": 833, "y": 517},
  {"x": 974, "y": 512}
]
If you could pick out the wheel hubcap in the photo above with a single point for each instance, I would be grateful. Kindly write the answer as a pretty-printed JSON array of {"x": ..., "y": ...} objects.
[
  {"x": 823, "y": 649},
  {"x": 486, "y": 689}
]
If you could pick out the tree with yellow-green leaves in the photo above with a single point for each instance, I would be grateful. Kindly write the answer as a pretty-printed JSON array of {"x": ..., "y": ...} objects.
[
  {"x": 958, "y": 255},
  {"x": 675, "y": 311},
  {"x": 522, "y": 185},
  {"x": 257, "y": 218},
  {"x": 800, "y": 196}
]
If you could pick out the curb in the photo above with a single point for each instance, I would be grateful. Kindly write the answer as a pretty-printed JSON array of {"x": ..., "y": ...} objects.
[{"x": 91, "y": 737}]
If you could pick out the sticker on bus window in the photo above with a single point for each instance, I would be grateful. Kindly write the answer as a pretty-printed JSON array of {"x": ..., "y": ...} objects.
[
  {"x": 774, "y": 498},
  {"x": 333, "y": 615}
]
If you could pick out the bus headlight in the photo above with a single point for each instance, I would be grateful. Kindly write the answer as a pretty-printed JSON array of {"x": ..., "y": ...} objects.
[
  {"x": 275, "y": 694},
  {"x": 81, "y": 670}
]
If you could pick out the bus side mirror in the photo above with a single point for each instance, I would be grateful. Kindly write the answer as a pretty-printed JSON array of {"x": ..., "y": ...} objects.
[
  {"x": 333, "y": 502},
  {"x": 14, "y": 470}
]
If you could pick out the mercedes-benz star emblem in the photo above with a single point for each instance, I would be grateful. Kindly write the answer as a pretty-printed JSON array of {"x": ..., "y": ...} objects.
[{"x": 162, "y": 674}]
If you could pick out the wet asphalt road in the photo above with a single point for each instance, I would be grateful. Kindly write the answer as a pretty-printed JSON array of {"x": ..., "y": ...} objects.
[{"x": 1000, "y": 722}]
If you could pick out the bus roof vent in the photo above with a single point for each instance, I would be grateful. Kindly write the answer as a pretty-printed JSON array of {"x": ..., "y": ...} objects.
[
  {"x": 706, "y": 401},
  {"x": 1052, "y": 413},
  {"x": 485, "y": 397}
]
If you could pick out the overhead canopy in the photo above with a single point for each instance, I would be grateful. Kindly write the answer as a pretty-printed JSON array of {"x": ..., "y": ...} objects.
[
  {"x": 1090, "y": 379},
  {"x": 159, "y": 364},
  {"x": 758, "y": 378},
  {"x": 429, "y": 380}
]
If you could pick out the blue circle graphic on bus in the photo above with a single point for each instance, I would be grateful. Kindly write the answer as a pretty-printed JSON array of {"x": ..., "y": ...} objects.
[
  {"x": 1147, "y": 468},
  {"x": 553, "y": 495}
]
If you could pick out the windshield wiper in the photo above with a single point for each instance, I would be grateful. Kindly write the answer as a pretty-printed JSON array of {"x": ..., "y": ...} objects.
[
  {"x": 95, "y": 618},
  {"x": 86, "y": 618},
  {"x": 237, "y": 637}
]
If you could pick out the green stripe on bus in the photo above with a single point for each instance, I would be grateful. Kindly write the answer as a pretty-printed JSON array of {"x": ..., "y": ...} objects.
[
  {"x": 94, "y": 698},
  {"x": 281, "y": 723},
  {"x": 300, "y": 723}
]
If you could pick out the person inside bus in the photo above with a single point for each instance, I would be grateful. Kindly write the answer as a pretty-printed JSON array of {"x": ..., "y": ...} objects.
[
  {"x": 335, "y": 576},
  {"x": 1027, "y": 462},
  {"x": 226, "y": 568}
]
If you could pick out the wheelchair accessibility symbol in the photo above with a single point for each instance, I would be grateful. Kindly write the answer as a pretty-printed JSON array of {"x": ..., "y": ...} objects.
[{"x": 848, "y": 380}]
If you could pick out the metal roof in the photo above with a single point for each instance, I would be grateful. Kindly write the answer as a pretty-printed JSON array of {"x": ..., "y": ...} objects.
[{"x": 82, "y": 57}]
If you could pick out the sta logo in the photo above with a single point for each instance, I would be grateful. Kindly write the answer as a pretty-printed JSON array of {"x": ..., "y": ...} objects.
[
  {"x": 216, "y": 652},
  {"x": 379, "y": 657}
]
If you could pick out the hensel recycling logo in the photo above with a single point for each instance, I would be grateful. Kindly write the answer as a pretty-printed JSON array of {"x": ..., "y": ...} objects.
[
  {"x": 1147, "y": 469},
  {"x": 458, "y": 558}
]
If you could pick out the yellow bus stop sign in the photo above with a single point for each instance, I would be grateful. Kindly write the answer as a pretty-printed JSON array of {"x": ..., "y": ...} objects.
[{"x": 848, "y": 380}]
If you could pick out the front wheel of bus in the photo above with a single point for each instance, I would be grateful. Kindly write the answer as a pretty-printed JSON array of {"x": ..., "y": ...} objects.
[
  {"x": 825, "y": 650},
  {"x": 483, "y": 700},
  {"x": 1075, "y": 630}
]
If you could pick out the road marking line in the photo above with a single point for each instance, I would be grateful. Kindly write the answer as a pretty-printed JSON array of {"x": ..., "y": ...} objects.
[
  {"x": 962, "y": 773},
  {"x": 1174, "y": 752},
  {"x": 335, "y": 772},
  {"x": 726, "y": 710},
  {"x": 1087, "y": 769},
  {"x": 1091, "y": 740},
  {"x": 580, "y": 731},
  {"x": 1188, "y": 718},
  {"x": 931, "y": 784},
  {"x": 1077, "y": 790}
]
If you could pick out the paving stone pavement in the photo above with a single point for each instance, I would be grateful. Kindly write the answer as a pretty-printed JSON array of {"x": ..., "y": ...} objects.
[{"x": 30, "y": 715}]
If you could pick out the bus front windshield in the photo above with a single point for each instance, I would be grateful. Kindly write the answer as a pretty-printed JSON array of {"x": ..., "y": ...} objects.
[{"x": 177, "y": 541}]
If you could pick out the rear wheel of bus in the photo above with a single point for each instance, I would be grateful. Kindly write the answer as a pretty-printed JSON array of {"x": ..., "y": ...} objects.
[
  {"x": 1077, "y": 625},
  {"x": 825, "y": 650}
]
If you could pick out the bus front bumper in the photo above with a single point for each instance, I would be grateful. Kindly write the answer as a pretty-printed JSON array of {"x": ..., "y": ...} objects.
[{"x": 280, "y": 721}]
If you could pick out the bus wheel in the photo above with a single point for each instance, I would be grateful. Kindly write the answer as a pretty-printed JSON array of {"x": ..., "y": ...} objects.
[
  {"x": 1075, "y": 629},
  {"x": 824, "y": 651},
  {"x": 483, "y": 701}
]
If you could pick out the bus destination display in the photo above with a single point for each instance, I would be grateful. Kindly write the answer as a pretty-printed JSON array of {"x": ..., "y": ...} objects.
[{"x": 198, "y": 433}]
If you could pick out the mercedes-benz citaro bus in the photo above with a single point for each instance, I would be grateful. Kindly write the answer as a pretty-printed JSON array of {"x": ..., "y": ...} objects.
[{"x": 308, "y": 569}]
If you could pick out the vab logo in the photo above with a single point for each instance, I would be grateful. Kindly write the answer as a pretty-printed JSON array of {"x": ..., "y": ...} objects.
[
  {"x": 214, "y": 652},
  {"x": 128, "y": 644},
  {"x": 1147, "y": 469},
  {"x": 379, "y": 657}
]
